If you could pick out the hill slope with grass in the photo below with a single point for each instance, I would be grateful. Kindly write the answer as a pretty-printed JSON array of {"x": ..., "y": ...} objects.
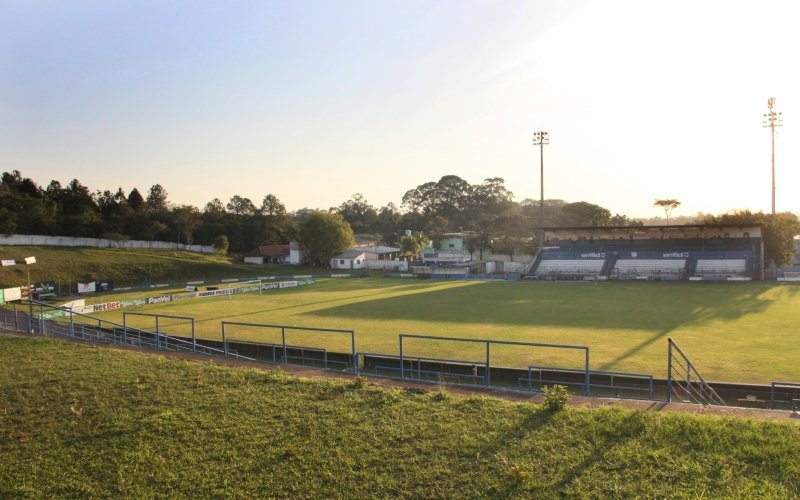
[
  {"x": 68, "y": 265},
  {"x": 81, "y": 420}
]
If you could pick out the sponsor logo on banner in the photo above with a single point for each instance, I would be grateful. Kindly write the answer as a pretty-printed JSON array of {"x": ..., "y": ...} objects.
[
  {"x": 86, "y": 287},
  {"x": 43, "y": 289},
  {"x": 105, "y": 285},
  {"x": 9, "y": 262},
  {"x": 159, "y": 300},
  {"x": 340, "y": 275},
  {"x": 287, "y": 284},
  {"x": 214, "y": 293},
  {"x": 593, "y": 255},
  {"x": 134, "y": 302},
  {"x": 679, "y": 255},
  {"x": 270, "y": 286},
  {"x": 108, "y": 306}
]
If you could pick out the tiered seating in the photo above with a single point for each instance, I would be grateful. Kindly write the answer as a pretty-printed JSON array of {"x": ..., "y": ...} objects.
[
  {"x": 548, "y": 267},
  {"x": 648, "y": 268},
  {"x": 731, "y": 267}
]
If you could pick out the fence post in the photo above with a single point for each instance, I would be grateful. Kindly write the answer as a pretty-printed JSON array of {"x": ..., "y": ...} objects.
[
  {"x": 224, "y": 341},
  {"x": 586, "y": 381},
  {"x": 669, "y": 370},
  {"x": 402, "y": 371},
  {"x": 283, "y": 340},
  {"x": 355, "y": 355},
  {"x": 772, "y": 397},
  {"x": 488, "y": 363},
  {"x": 194, "y": 339}
]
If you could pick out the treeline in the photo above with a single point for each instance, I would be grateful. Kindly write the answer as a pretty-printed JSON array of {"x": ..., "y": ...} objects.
[
  {"x": 487, "y": 212},
  {"x": 434, "y": 208}
]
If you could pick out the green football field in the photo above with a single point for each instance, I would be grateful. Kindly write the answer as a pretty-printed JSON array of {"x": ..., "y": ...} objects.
[{"x": 743, "y": 332}]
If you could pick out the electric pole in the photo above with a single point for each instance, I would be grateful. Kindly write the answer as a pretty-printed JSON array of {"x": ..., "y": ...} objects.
[
  {"x": 771, "y": 120},
  {"x": 541, "y": 139}
]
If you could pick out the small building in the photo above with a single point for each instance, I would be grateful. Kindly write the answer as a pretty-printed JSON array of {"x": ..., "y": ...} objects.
[
  {"x": 351, "y": 259},
  {"x": 451, "y": 252},
  {"x": 378, "y": 252},
  {"x": 269, "y": 254}
]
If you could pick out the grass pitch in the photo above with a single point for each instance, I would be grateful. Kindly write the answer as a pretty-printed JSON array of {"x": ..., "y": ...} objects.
[{"x": 742, "y": 332}]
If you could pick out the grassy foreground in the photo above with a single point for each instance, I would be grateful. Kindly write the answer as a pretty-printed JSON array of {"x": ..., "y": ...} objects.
[
  {"x": 741, "y": 332},
  {"x": 85, "y": 421}
]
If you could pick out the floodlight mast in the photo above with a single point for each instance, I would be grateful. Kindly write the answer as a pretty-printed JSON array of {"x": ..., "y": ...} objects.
[
  {"x": 541, "y": 139},
  {"x": 772, "y": 119}
]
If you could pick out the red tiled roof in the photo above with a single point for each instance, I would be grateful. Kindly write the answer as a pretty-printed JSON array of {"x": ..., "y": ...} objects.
[{"x": 269, "y": 251}]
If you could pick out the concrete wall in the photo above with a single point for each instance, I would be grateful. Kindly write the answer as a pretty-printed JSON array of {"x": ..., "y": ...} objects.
[
  {"x": 387, "y": 265},
  {"x": 69, "y": 241}
]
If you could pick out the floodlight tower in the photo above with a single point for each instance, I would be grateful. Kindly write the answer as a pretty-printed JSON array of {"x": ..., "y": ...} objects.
[
  {"x": 541, "y": 139},
  {"x": 772, "y": 119}
]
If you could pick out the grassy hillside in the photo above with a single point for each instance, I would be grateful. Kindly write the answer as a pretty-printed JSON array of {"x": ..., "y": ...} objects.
[
  {"x": 67, "y": 266},
  {"x": 81, "y": 421}
]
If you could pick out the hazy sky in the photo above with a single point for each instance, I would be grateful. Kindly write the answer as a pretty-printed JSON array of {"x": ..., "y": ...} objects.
[{"x": 314, "y": 101}]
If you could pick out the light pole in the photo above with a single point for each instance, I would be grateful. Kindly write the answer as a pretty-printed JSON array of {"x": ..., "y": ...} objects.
[
  {"x": 28, "y": 262},
  {"x": 772, "y": 119},
  {"x": 541, "y": 139}
]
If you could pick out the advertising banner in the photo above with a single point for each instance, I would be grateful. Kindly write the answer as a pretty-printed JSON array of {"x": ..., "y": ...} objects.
[
  {"x": 105, "y": 286},
  {"x": 11, "y": 294},
  {"x": 159, "y": 300},
  {"x": 108, "y": 306},
  {"x": 43, "y": 289},
  {"x": 86, "y": 287},
  {"x": 8, "y": 262}
]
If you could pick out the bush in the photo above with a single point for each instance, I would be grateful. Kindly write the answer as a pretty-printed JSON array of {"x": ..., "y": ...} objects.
[
  {"x": 358, "y": 383},
  {"x": 555, "y": 398}
]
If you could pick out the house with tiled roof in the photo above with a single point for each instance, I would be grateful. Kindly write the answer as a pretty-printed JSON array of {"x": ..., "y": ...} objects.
[{"x": 269, "y": 254}]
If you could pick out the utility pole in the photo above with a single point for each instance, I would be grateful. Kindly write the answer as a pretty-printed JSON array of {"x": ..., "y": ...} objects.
[
  {"x": 772, "y": 119},
  {"x": 541, "y": 139}
]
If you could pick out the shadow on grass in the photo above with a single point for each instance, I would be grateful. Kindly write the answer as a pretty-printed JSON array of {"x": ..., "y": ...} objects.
[{"x": 657, "y": 307}]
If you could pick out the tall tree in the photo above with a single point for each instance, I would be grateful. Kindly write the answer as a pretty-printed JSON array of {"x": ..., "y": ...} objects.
[
  {"x": 409, "y": 247},
  {"x": 324, "y": 235},
  {"x": 778, "y": 231},
  {"x": 187, "y": 219},
  {"x": 668, "y": 205},
  {"x": 135, "y": 200},
  {"x": 358, "y": 213},
  {"x": 582, "y": 213},
  {"x": 239, "y": 205},
  {"x": 157, "y": 200},
  {"x": 271, "y": 206}
]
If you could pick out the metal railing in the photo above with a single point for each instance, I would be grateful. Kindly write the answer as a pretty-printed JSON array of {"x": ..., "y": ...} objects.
[{"x": 684, "y": 380}]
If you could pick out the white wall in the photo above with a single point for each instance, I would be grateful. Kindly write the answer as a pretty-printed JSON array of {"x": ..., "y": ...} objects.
[
  {"x": 356, "y": 263},
  {"x": 388, "y": 265},
  {"x": 69, "y": 241}
]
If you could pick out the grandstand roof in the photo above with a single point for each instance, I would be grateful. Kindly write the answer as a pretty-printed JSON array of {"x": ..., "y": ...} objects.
[
  {"x": 701, "y": 231},
  {"x": 645, "y": 228}
]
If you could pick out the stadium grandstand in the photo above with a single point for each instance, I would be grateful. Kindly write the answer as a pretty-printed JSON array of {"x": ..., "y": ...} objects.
[{"x": 690, "y": 252}]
